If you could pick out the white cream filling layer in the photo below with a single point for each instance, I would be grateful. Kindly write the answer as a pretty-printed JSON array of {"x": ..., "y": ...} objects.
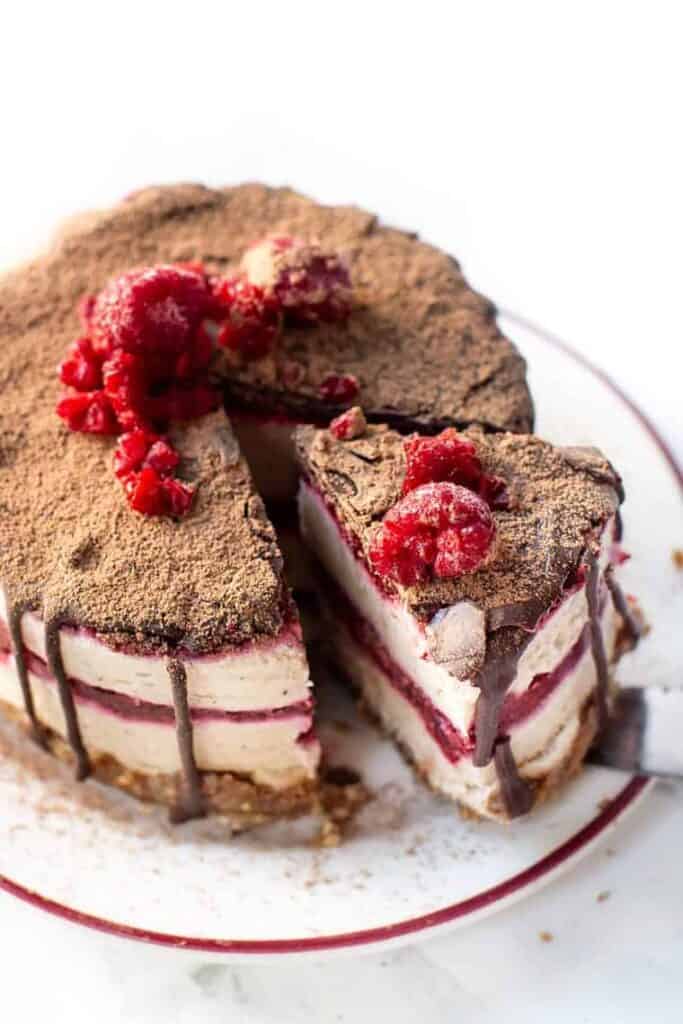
[
  {"x": 540, "y": 742},
  {"x": 267, "y": 751},
  {"x": 259, "y": 677},
  {"x": 401, "y": 635}
]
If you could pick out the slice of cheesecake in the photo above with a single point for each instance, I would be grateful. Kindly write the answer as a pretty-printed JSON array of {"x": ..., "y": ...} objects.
[{"x": 482, "y": 635}]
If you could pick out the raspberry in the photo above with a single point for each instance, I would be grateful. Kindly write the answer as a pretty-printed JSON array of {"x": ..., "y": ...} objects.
[
  {"x": 250, "y": 320},
  {"x": 450, "y": 456},
  {"x": 340, "y": 388},
  {"x": 440, "y": 529},
  {"x": 349, "y": 425},
  {"x": 125, "y": 382},
  {"x": 153, "y": 495},
  {"x": 82, "y": 368},
  {"x": 153, "y": 309},
  {"x": 196, "y": 357},
  {"x": 310, "y": 283},
  {"x": 178, "y": 496},
  {"x": 141, "y": 448},
  {"x": 88, "y": 412}
]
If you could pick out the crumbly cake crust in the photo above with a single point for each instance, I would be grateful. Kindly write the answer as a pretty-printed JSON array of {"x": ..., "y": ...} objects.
[
  {"x": 424, "y": 347},
  {"x": 559, "y": 501},
  {"x": 242, "y": 803}
]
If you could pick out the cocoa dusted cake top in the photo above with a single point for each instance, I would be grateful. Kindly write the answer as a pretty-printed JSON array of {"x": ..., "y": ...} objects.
[
  {"x": 419, "y": 345},
  {"x": 547, "y": 505},
  {"x": 423, "y": 347},
  {"x": 70, "y": 546}
]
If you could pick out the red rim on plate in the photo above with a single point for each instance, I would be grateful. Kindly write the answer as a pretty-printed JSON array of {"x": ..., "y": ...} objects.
[{"x": 504, "y": 891}]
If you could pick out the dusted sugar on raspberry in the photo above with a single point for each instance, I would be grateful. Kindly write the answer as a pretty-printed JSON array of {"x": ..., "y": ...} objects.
[
  {"x": 349, "y": 425},
  {"x": 440, "y": 530},
  {"x": 450, "y": 457},
  {"x": 250, "y": 319},
  {"x": 339, "y": 388},
  {"x": 312, "y": 284},
  {"x": 151, "y": 309}
]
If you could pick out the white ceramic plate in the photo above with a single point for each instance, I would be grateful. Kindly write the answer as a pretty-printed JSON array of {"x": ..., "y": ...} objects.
[{"x": 412, "y": 866}]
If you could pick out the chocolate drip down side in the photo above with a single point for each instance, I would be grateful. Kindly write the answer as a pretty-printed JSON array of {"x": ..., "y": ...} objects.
[
  {"x": 15, "y": 615},
  {"x": 190, "y": 802},
  {"x": 56, "y": 665},
  {"x": 622, "y": 606},
  {"x": 494, "y": 681},
  {"x": 597, "y": 642},
  {"x": 518, "y": 795}
]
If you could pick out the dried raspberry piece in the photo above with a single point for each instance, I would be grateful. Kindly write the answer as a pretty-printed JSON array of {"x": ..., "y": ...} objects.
[
  {"x": 311, "y": 284},
  {"x": 178, "y": 496},
  {"x": 153, "y": 495},
  {"x": 88, "y": 412},
  {"x": 82, "y": 367},
  {"x": 452, "y": 457},
  {"x": 339, "y": 388},
  {"x": 85, "y": 310},
  {"x": 152, "y": 309},
  {"x": 439, "y": 529},
  {"x": 140, "y": 448},
  {"x": 251, "y": 322},
  {"x": 349, "y": 425},
  {"x": 126, "y": 384}
]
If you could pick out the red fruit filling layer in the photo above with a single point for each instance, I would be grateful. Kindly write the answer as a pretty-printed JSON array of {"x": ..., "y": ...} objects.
[
  {"x": 438, "y": 530},
  {"x": 136, "y": 710},
  {"x": 516, "y": 707}
]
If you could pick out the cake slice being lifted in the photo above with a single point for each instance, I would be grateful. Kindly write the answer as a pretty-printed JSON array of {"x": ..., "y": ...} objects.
[{"x": 470, "y": 581}]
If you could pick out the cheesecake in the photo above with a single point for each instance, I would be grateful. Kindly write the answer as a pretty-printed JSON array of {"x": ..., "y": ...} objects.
[
  {"x": 469, "y": 584},
  {"x": 158, "y": 362},
  {"x": 146, "y": 631}
]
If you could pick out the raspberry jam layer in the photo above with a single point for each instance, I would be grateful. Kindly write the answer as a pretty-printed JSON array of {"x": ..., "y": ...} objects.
[
  {"x": 454, "y": 745},
  {"x": 136, "y": 710}
]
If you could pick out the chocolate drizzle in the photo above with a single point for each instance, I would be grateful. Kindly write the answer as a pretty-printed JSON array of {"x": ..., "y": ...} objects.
[
  {"x": 190, "y": 802},
  {"x": 518, "y": 795},
  {"x": 597, "y": 642},
  {"x": 15, "y": 615},
  {"x": 622, "y": 606},
  {"x": 53, "y": 650},
  {"x": 494, "y": 681}
]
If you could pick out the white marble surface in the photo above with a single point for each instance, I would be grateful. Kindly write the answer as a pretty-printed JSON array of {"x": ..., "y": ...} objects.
[{"x": 541, "y": 146}]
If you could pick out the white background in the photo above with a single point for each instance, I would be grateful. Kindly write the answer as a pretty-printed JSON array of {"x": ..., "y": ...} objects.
[{"x": 541, "y": 143}]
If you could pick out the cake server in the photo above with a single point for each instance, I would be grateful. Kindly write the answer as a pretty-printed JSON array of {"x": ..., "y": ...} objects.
[{"x": 644, "y": 732}]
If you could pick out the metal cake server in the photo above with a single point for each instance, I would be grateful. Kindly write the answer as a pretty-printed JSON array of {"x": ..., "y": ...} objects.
[{"x": 644, "y": 733}]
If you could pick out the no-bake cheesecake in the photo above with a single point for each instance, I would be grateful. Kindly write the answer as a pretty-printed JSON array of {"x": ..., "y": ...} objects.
[
  {"x": 147, "y": 633},
  {"x": 469, "y": 583}
]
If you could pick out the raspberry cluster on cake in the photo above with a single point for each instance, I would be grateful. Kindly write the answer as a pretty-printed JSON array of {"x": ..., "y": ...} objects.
[
  {"x": 469, "y": 584},
  {"x": 146, "y": 629}
]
